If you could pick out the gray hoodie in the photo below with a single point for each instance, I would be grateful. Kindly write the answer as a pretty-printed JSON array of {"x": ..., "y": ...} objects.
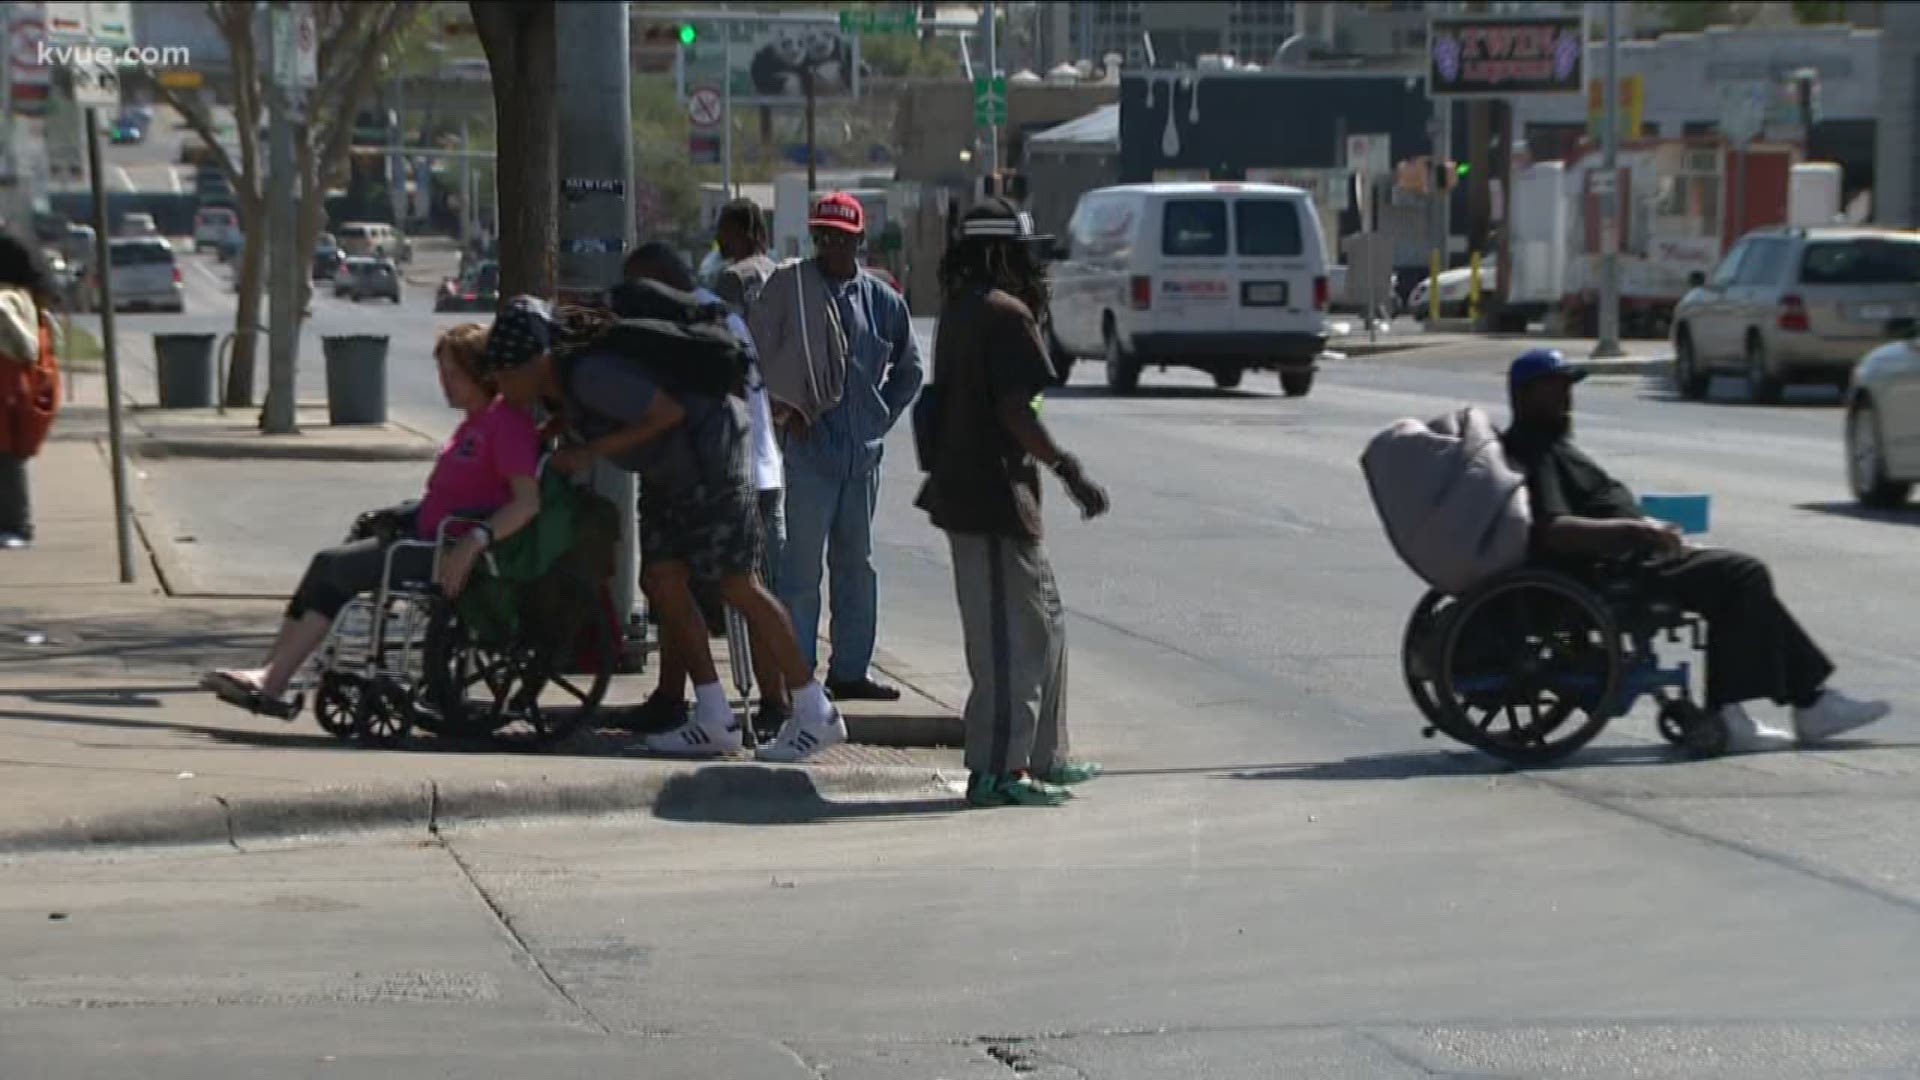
[{"x": 803, "y": 347}]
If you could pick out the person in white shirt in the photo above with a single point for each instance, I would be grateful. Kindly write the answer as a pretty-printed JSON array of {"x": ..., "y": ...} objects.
[{"x": 666, "y": 709}]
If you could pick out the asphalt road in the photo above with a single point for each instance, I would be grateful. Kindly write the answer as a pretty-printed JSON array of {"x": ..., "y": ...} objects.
[{"x": 1279, "y": 878}]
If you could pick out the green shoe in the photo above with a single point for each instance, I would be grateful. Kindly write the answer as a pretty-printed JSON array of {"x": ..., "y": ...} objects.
[
  {"x": 1068, "y": 773},
  {"x": 986, "y": 791}
]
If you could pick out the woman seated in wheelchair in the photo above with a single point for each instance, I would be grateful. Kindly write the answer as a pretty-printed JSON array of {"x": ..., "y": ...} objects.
[
  {"x": 1584, "y": 517},
  {"x": 487, "y": 468}
]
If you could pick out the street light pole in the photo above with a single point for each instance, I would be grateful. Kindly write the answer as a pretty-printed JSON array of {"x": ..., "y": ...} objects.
[
  {"x": 1608, "y": 347},
  {"x": 993, "y": 73}
]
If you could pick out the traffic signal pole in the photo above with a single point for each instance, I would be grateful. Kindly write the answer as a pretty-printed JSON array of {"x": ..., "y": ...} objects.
[{"x": 596, "y": 223}]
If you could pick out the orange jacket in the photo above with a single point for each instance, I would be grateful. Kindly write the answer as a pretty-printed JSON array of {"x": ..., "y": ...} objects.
[{"x": 29, "y": 396}]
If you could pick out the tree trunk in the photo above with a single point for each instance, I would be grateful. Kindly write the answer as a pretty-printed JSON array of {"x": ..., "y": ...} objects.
[
  {"x": 519, "y": 41},
  {"x": 247, "y": 312}
]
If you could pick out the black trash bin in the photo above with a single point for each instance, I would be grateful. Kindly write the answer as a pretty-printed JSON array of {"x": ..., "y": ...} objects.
[
  {"x": 184, "y": 368},
  {"x": 356, "y": 378}
]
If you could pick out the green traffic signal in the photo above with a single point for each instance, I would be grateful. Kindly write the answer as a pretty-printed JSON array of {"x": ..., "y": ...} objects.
[
  {"x": 688, "y": 34},
  {"x": 1462, "y": 169}
]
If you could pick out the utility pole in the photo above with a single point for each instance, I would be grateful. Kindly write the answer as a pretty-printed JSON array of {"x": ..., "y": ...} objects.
[
  {"x": 1608, "y": 347},
  {"x": 103, "y": 270},
  {"x": 597, "y": 227},
  {"x": 726, "y": 111},
  {"x": 280, "y": 416},
  {"x": 813, "y": 153},
  {"x": 993, "y": 72}
]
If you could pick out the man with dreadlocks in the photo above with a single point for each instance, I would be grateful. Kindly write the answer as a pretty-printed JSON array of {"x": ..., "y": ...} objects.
[{"x": 981, "y": 442}]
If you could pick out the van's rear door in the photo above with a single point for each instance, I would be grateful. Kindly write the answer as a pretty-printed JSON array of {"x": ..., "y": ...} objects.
[
  {"x": 1272, "y": 271},
  {"x": 1193, "y": 291}
]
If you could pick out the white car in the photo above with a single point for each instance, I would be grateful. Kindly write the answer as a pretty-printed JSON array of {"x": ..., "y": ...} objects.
[
  {"x": 1455, "y": 290},
  {"x": 1883, "y": 422},
  {"x": 145, "y": 275},
  {"x": 1222, "y": 277}
]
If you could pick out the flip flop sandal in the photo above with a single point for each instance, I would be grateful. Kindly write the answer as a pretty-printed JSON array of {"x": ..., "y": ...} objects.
[{"x": 240, "y": 695}]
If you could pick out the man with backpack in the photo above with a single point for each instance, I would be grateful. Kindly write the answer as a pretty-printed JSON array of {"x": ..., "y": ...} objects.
[
  {"x": 638, "y": 389},
  {"x": 666, "y": 708}
]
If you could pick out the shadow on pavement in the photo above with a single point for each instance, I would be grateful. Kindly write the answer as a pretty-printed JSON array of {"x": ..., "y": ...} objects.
[
  {"x": 1430, "y": 763},
  {"x": 1796, "y": 397},
  {"x": 1863, "y": 513},
  {"x": 279, "y": 740},
  {"x": 756, "y": 795},
  {"x": 1156, "y": 393}
]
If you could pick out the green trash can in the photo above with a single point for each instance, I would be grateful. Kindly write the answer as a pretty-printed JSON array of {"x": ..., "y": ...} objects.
[
  {"x": 184, "y": 368},
  {"x": 356, "y": 378}
]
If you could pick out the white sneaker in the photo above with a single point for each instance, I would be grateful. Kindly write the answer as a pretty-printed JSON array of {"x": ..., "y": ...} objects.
[
  {"x": 1835, "y": 714},
  {"x": 698, "y": 738},
  {"x": 1745, "y": 735},
  {"x": 800, "y": 739}
]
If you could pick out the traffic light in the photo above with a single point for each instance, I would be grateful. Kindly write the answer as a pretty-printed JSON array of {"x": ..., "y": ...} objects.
[
  {"x": 688, "y": 35},
  {"x": 1461, "y": 170}
]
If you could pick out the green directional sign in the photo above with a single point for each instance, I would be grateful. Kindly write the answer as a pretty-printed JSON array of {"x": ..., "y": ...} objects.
[
  {"x": 990, "y": 102},
  {"x": 879, "y": 21}
]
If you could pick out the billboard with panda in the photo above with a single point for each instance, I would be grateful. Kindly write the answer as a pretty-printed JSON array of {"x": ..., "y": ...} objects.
[{"x": 769, "y": 59}]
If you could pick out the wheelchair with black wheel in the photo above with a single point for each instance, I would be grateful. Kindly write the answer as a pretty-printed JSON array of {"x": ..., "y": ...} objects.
[
  {"x": 523, "y": 657},
  {"x": 1531, "y": 664}
]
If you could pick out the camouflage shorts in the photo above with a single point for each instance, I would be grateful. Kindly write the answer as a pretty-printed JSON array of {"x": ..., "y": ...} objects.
[{"x": 715, "y": 531}]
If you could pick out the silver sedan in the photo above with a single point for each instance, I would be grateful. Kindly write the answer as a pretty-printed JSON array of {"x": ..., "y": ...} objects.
[{"x": 1883, "y": 423}]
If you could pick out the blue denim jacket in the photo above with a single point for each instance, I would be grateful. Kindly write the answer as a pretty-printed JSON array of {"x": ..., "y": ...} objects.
[{"x": 884, "y": 373}]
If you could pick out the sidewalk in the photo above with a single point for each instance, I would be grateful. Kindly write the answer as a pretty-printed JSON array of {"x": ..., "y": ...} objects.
[{"x": 104, "y": 738}]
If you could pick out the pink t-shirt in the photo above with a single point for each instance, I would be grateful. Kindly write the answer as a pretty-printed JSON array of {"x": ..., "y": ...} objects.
[{"x": 472, "y": 474}]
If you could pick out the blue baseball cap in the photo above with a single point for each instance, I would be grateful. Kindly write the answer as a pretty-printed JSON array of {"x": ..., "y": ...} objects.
[{"x": 1536, "y": 364}]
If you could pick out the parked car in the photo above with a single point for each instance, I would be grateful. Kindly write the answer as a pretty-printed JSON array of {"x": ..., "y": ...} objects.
[
  {"x": 1795, "y": 305},
  {"x": 213, "y": 224},
  {"x": 1883, "y": 420},
  {"x": 478, "y": 290},
  {"x": 1222, "y": 277},
  {"x": 138, "y": 224},
  {"x": 367, "y": 278},
  {"x": 145, "y": 275},
  {"x": 1456, "y": 292}
]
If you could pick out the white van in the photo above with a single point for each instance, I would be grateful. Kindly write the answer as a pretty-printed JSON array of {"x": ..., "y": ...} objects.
[{"x": 1223, "y": 277}]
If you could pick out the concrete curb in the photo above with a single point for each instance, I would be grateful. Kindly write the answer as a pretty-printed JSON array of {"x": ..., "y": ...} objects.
[
  {"x": 261, "y": 449},
  {"x": 727, "y": 790}
]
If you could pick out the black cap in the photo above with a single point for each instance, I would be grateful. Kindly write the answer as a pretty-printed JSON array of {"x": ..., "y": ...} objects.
[
  {"x": 999, "y": 219},
  {"x": 520, "y": 334}
]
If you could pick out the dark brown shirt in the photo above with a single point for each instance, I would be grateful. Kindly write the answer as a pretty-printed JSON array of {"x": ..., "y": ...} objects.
[{"x": 988, "y": 349}]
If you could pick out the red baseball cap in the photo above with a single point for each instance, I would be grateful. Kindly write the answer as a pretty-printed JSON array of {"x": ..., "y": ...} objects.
[{"x": 838, "y": 210}]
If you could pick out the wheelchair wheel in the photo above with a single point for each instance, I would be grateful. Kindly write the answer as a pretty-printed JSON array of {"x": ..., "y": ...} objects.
[
  {"x": 1419, "y": 650},
  {"x": 383, "y": 716},
  {"x": 1530, "y": 666},
  {"x": 1693, "y": 729},
  {"x": 336, "y": 705},
  {"x": 533, "y": 690}
]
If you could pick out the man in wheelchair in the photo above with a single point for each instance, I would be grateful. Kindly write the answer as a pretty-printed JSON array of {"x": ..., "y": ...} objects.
[{"x": 1585, "y": 523}]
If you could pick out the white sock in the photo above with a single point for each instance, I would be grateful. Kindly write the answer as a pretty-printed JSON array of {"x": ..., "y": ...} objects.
[
  {"x": 710, "y": 704},
  {"x": 810, "y": 703}
]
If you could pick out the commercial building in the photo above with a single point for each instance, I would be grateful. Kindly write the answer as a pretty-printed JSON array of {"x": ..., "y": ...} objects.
[{"x": 1897, "y": 187}]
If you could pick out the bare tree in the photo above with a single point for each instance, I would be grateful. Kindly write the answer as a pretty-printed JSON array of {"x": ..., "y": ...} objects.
[
  {"x": 353, "y": 39},
  {"x": 518, "y": 37}
]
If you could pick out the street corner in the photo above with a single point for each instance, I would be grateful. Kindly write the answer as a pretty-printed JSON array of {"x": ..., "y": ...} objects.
[{"x": 89, "y": 763}]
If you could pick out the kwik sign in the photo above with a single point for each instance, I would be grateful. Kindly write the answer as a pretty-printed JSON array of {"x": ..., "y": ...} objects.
[{"x": 1500, "y": 56}]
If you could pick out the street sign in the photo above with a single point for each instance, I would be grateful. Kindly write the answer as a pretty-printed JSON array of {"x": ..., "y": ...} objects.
[
  {"x": 67, "y": 24},
  {"x": 990, "y": 101},
  {"x": 880, "y": 21},
  {"x": 703, "y": 149},
  {"x": 107, "y": 24},
  {"x": 1370, "y": 154},
  {"x": 1491, "y": 56},
  {"x": 705, "y": 107},
  {"x": 181, "y": 79},
  {"x": 95, "y": 85}
]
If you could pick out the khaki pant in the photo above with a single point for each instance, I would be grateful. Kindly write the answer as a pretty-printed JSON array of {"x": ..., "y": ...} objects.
[{"x": 1016, "y": 640}]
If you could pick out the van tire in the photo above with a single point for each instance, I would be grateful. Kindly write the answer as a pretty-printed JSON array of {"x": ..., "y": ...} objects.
[
  {"x": 1123, "y": 371},
  {"x": 1297, "y": 383},
  {"x": 1227, "y": 378}
]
